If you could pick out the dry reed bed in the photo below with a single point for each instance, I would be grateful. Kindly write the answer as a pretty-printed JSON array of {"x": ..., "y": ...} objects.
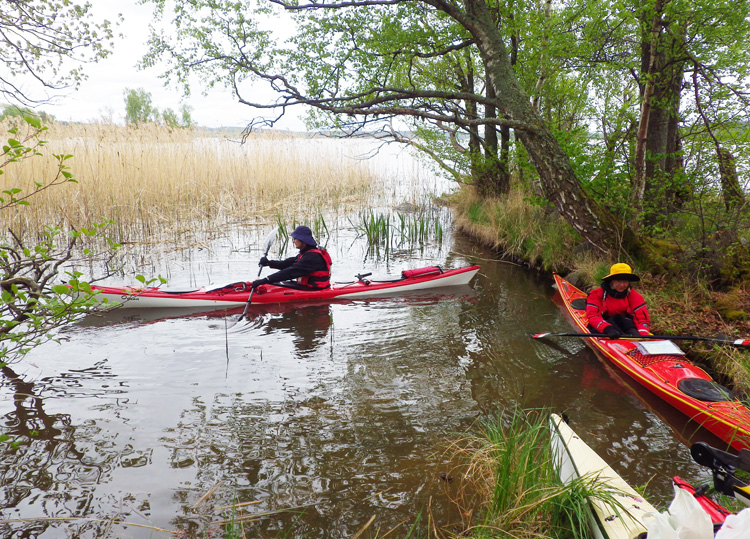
[{"x": 150, "y": 179}]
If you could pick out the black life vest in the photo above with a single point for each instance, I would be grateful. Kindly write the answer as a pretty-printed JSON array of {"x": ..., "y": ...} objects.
[{"x": 317, "y": 279}]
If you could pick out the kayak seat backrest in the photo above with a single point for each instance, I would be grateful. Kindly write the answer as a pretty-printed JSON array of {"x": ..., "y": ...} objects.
[
  {"x": 705, "y": 390},
  {"x": 579, "y": 304},
  {"x": 421, "y": 272}
]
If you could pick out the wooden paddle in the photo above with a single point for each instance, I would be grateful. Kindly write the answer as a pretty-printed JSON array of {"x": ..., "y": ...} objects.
[
  {"x": 724, "y": 340},
  {"x": 269, "y": 241}
]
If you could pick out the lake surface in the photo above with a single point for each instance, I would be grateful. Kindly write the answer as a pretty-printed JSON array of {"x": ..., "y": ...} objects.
[{"x": 317, "y": 418}]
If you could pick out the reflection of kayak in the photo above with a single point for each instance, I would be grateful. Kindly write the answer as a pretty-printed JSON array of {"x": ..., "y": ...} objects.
[
  {"x": 622, "y": 516},
  {"x": 618, "y": 518},
  {"x": 236, "y": 294},
  {"x": 662, "y": 368}
]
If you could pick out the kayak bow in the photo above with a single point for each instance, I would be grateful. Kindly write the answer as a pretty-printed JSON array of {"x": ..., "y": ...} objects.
[
  {"x": 237, "y": 294},
  {"x": 620, "y": 518}
]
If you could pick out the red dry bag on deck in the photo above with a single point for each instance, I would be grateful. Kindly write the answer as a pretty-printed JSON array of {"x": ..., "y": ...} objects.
[{"x": 422, "y": 272}]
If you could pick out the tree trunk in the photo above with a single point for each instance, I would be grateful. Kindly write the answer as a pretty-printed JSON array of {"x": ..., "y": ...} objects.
[
  {"x": 495, "y": 158},
  {"x": 734, "y": 198},
  {"x": 559, "y": 182},
  {"x": 663, "y": 186},
  {"x": 649, "y": 75}
]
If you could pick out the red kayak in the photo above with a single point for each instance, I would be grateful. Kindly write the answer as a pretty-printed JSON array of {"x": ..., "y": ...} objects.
[
  {"x": 717, "y": 512},
  {"x": 237, "y": 294},
  {"x": 661, "y": 367}
]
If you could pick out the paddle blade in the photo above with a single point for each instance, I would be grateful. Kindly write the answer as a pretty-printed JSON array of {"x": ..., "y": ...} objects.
[{"x": 270, "y": 239}]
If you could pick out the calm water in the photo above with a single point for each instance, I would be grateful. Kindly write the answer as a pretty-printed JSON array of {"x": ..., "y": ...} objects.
[
  {"x": 317, "y": 417},
  {"x": 337, "y": 412}
]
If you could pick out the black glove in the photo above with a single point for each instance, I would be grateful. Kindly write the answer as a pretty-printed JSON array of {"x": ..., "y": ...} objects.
[
  {"x": 612, "y": 332},
  {"x": 255, "y": 284},
  {"x": 264, "y": 262}
]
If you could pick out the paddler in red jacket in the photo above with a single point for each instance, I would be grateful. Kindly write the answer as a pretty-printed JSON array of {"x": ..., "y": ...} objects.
[
  {"x": 309, "y": 270},
  {"x": 616, "y": 309}
]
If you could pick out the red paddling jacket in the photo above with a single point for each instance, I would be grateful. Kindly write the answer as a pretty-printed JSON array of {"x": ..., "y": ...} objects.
[
  {"x": 311, "y": 268},
  {"x": 604, "y": 302}
]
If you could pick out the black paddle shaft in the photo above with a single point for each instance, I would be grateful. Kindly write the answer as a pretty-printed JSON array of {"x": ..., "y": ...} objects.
[
  {"x": 735, "y": 342},
  {"x": 269, "y": 241}
]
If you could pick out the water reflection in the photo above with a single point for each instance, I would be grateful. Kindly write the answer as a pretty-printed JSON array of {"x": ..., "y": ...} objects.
[
  {"x": 308, "y": 324},
  {"x": 44, "y": 455}
]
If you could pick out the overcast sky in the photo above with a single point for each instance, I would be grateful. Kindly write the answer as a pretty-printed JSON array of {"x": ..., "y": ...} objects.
[{"x": 102, "y": 95}]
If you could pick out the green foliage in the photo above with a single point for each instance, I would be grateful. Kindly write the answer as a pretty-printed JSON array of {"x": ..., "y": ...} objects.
[
  {"x": 412, "y": 72},
  {"x": 14, "y": 111},
  {"x": 34, "y": 301},
  {"x": 138, "y": 107},
  {"x": 41, "y": 40},
  {"x": 172, "y": 120}
]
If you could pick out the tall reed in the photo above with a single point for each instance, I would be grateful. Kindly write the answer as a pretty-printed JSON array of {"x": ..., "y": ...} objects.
[
  {"x": 384, "y": 232},
  {"x": 151, "y": 179}
]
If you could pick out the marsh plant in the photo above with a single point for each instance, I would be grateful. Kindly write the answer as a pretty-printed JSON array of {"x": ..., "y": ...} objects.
[
  {"x": 384, "y": 231},
  {"x": 153, "y": 182},
  {"x": 316, "y": 222},
  {"x": 508, "y": 471}
]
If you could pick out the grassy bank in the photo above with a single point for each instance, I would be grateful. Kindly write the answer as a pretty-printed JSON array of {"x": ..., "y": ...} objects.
[
  {"x": 521, "y": 229},
  {"x": 518, "y": 227}
]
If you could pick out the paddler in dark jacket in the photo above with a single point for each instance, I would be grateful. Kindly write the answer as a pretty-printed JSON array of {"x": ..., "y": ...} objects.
[
  {"x": 615, "y": 309},
  {"x": 309, "y": 270}
]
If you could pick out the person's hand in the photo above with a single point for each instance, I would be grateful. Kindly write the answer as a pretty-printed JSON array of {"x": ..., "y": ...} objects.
[
  {"x": 644, "y": 332},
  {"x": 263, "y": 262},
  {"x": 255, "y": 284},
  {"x": 612, "y": 332}
]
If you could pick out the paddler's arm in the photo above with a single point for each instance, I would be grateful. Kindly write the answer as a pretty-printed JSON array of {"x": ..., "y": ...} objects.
[
  {"x": 640, "y": 313},
  {"x": 304, "y": 266},
  {"x": 278, "y": 264},
  {"x": 594, "y": 311}
]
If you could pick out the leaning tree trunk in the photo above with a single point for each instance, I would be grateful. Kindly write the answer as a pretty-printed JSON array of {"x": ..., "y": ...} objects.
[{"x": 559, "y": 182}]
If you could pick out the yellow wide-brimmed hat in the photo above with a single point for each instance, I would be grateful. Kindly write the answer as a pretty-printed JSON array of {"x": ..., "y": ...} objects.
[{"x": 621, "y": 271}]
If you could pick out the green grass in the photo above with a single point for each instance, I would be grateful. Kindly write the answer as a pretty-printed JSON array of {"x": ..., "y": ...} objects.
[
  {"x": 384, "y": 231},
  {"x": 518, "y": 227},
  {"x": 509, "y": 463}
]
